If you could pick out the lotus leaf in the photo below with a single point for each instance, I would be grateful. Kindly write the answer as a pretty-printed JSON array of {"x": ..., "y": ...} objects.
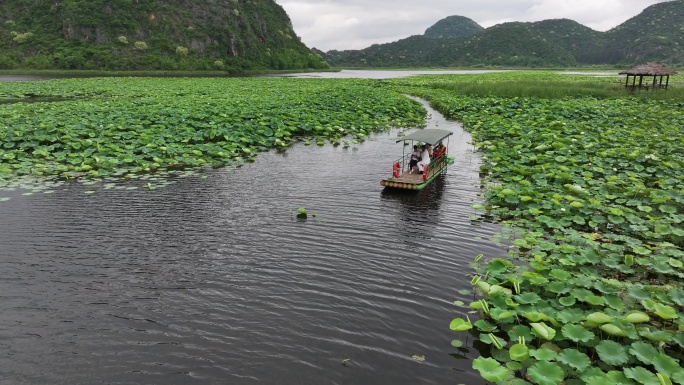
[
  {"x": 595, "y": 300},
  {"x": 518, "y": 331},
  {"x": 519, "y": 352},
  {"x": 581, "y": 294},
  {"x": 612, "y": 353},
  {"x": 485, "y": 326},
  {"x": 670, "y": 209},
  {"x": 567, "y": 301},
  {"x": 666, "y": 364},
  {"x": 480, "y": 305},
  {"x": 494, "y": 289},
  {"x": 490, "y": 369},
  {"x": 679, "y": 377},
  {"x": 535, "y": 316},
  {"x": 513, "y": 380},
  {"x": 575, "y": 359},
  {"x": 521, "y": 243},
  {"x": 664, "y": 379},
  {"x": 535, "y": 278},
  {"x": 573, "y": 315},
  {"x": 675, "y": 263},
  {"x": 577, "y": 333},
  {"x": 613, "y": 330},
  {"x": 599, "y": 380},
  {"x": 560, "y": 274},
  {"x": 593, "y": 371},
  {"x": 459, "y": 324},
  {"x": 500, "y": 355},
  {"x": 664, "y": 311},
  {"x": 491, "y": 339},
  {"x": 653, "y": 334},
  {"x": 636, "y": 316},
  {"x": 599, "y": 318},
  {"x": 543, "y": 354},
  {"x": 641, "y": 375},
  {"x": 679, "y": 338},
  {"x": 638, "y": 293},
  {"x": 527, "y": 298},
  {"x": 546, "y": 373},
  {"x": 498, "y": 265},
  {"x": 502, "y": 315},
  {"x": 619, "y": 378},
  {"x": 615, "y": 302},
  {"x": 484, "y": 286},
  {"x": 543, "y": 330}
]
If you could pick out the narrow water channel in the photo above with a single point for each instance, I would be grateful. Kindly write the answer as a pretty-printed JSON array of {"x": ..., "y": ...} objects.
[{"x": 212, "y": 280}]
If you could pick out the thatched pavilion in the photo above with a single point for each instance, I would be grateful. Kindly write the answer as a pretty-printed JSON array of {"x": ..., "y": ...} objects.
[{"x": 648, "y": 70}]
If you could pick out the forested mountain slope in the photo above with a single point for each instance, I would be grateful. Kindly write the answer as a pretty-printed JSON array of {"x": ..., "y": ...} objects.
[{"x": 150, "y": 34}]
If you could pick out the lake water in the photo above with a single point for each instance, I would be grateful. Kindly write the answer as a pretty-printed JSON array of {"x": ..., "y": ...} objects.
[
  {"x": 383, "y": 74},
  {"x": 212, "y": 279}
]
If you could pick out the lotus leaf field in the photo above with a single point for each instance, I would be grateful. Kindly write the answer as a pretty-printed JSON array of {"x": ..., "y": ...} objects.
[
  {"x": 588, "y": 181},
  {"x": 118, "y": 127},
  {"x": 592, "y": 192}
]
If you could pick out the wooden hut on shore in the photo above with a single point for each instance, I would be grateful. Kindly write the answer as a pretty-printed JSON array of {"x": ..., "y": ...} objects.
[{"x": 657, "y": 71}]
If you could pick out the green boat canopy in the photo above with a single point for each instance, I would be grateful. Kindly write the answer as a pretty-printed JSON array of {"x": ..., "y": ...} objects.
[{"x": 429, "y": 136}]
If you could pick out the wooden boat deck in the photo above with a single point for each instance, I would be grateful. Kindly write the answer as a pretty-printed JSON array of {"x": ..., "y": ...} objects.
[
  {"x": 409, "y": 181},
  {"x": 406, "y": 181},
  {"x": 407, "y": 177}
]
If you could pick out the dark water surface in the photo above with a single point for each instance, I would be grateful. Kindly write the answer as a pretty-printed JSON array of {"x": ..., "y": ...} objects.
[{"x": 212, "y": 280}]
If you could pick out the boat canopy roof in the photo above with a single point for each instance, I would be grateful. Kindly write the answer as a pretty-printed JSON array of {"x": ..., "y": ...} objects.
[{"x": 429, "y": 136}]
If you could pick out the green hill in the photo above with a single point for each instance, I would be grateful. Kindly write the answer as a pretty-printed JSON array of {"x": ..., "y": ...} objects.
[
  {"x": 453, "y": 26},
  {"x": 656, "y": 34},
  {"x": 583, "y": 43},
  {"x": 515, "y": 44},
  {"x": 150, "y": 34}
]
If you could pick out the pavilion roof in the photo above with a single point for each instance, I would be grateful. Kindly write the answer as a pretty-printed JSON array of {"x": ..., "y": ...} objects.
[{"x": 649, "y": 69}]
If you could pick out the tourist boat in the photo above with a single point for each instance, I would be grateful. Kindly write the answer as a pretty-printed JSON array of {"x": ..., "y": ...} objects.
[{"x": 402, "y": 178}]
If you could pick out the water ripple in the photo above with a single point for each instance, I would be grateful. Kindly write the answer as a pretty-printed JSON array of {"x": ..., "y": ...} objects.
[{"x": 214, "y": 280}]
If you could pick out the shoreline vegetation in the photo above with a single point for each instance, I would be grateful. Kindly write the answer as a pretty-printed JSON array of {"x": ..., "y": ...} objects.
[
  {"x": 585, "y": 176},
  {"x": 160, "y": 73},
  {"x": 588, "y": 187}
]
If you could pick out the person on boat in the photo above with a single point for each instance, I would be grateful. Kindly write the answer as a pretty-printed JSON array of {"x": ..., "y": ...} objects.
[
  {"x": 415, "y": 158},
  {"x": 438, "y": 150},
  {"x": 425, "y": 158}
]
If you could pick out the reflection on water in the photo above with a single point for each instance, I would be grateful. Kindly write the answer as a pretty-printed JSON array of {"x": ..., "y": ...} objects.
[{"x": 213, "y": 280}]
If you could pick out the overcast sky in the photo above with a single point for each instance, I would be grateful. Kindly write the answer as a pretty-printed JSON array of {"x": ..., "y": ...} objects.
[{"x": 357, "y": 24}]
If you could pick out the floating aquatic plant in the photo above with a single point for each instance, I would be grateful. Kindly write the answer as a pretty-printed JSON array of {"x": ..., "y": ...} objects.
[
  {"x": 594, "y": 198},
  {"x": 110, "y": 125}
]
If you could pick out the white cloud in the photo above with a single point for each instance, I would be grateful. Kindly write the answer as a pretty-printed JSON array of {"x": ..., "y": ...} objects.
[{"x": 357, "y": 24}]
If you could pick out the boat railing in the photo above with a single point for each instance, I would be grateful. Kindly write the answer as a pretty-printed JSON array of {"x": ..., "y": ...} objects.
[
  {"x": 404, "y": 162},
  {"x": 436, "y": 165}
]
